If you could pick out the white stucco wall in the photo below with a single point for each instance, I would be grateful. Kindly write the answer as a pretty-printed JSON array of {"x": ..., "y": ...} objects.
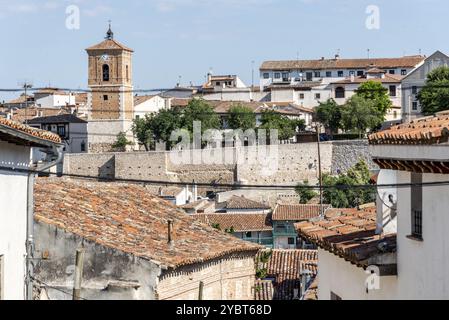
[
  {"x": 152, "y": 105},
  {"x": 13, "y": 210}
]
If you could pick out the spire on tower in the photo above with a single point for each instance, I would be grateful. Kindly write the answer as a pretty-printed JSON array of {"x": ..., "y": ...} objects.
[{"x": 109, "y": 34}]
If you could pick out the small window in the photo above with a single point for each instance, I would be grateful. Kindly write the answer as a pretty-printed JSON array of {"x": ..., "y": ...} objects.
[
  {"x": 414, "y": 90},
  {"x": 309, "y": 76},
  {"x": 61, "y": 131},
  {"x": 317, "y": 74},
  {"x": 403, "y": 72},
  {"x": 395, "y": 114},
  {"x": 137, "y": 117},
  {"x": 339, "y": 92},
  {"x": 340, "y": 74},
  {"x": 317, "y": 96},
  {"x": 83, "y": 146},
  {"x": 301, "y": 96},
  {"x": 266, "y": 75},
  {"x": 218, "y": 83},
  {"x": 105, "y": 72},
  {"x": 329, "y": 74},
  {"x": 291, "y": 241},
  {"x": 415, "y": 105},
  {"x": 359, "y": 73},
  {"x": 285, "y": 76},
  {"x": 392, "y": 71},
  {"x": 105, "y": 97},
  {"x": 127, "y": 73},
  {"x": 392, "y": 91},
  {"x": 335, "y": 297},
  {"x": 416, "y": 205},
  {"x": 277, "y": 75},
  {"x": 248, "y": 234}
]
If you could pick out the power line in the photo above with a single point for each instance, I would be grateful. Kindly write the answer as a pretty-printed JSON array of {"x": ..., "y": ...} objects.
[
  {"x": 54, "y": 288},
  {"x": 236, "y": 186}
]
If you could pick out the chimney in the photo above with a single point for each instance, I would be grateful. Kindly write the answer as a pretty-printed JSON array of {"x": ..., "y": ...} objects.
[
  {"x": 170, "y": 232},
  {"x": 337, "y": 57},
  {"x": 322, "y": 58}
]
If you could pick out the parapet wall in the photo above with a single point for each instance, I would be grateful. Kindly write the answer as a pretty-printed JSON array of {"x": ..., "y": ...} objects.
[{"x": 283, "y": 164}]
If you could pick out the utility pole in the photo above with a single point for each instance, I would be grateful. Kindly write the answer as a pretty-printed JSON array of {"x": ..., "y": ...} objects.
[
  {"x": 319, "y": 169},
  {"x": 252, "y": 74},
  {"x": 78, "y": 274},
  {"x": 26, "y": 85},
  {"x": 200, "y": 291}
]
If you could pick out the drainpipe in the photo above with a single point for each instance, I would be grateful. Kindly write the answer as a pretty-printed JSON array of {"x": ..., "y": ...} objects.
[{"x": 55, "y": 150}]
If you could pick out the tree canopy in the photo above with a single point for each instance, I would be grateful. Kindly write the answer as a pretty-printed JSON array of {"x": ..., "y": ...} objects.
[
  {"x": 286, "y": 127},
  {"x": 241, "y": 117},
  {"x": 434, "y": 96},
  {"x": 360, "y": 114},
  {"x": 329, "y": 115},
  {"x": 375, "y": 92}
]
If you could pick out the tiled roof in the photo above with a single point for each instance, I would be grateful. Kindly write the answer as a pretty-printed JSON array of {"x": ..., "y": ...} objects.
[
  {"x": 297, "y": 212},
  {"x": 62, "y": 118},
  {"x": 41, "y": 134},
  {"x": 178, "y": 102},
  {"x": 21, "y": 99},
  {"x": 263, "y": 290},
  {"x": 384, "y": 63},
  {"x": 29, "y": 113},
  {"x": 348, "y": 233},
  {"x": 428, "y": 130},
  {"x": 286, "y": 266},
  {"x": 127, "y": 218},
  {"x": 239, "y": 222},
  {"x": 141, "y": 99},
  {"x": 236, "y": 203},
  {"x": 109, "y": 44}
]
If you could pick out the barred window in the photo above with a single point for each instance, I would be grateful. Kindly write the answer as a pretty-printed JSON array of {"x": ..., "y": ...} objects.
[{"x": 416, "y": 205}]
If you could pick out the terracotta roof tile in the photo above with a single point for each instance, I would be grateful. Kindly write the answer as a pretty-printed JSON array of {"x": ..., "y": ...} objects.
[
  {"x": 127, "y": 218},
  {"x": 286, "y": 266},
  {"x": 41, "y": 134},
  {"x": 428, "y": 130},
  {"x": 236, "y": 203},
  {"x": 384, "y": 63},
  {"x": 349, "y": 233},
  {"x": 239, "y": 222},
  {"x": 109, "y": 44},
  {"x": 263, "y": 290},
  {"x": 297, "y": 212}
]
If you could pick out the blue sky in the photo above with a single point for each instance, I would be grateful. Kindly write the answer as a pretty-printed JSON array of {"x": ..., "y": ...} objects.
[{"x": 187, "y": 37}]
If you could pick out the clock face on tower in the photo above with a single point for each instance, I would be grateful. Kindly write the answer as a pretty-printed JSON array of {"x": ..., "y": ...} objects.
[{"x": 105, "y": 57}]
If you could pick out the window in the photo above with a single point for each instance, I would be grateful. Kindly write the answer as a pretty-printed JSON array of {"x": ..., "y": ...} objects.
[
  {"x": 329, "y": 74},
  {"x": 105, "y": 97},
  {"x": 339, "y": 92},
  {"x": 1, "y": 278},
  {"x": 317, "y": 96},
  {"x": 127, "y": 73},
  {"x": 335, "y": 297},
  {"x": 291, "y": 241},
  {"x": 285, "y": 76},
  {"x": 351, "y": 73},
  {"x": 301, "y": 96},
  {"x": 309, "y": 76},
  {"x": 415, "y": 105},
  {"x": 248, "y": 234},
  {"x": 403, "y": 72},
  {"x": 392, "y": 72},
  {"x": 266, "y": 75},
  {"x": 395, "y": 114},
  {"x": 414, "y": 90},
  {"x": 359, "y": 73},
  {"x": 105, "y": 72},
  {"x": 317, "y": 74},
  {"x": 83, "y": 146},
  {"x": 137, "y": 117},
  {"x": 277, "y": 75},
  {"x": 218, "y": 83},
  {"x": 61, "y": 131},
  {"x": 340, "y": 74},
  {"x": 416, "y": 205},
  {"x": 392, "y": 91}
]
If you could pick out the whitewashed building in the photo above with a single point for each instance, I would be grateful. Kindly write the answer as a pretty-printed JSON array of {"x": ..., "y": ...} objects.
[
  {"x": 399, "y": 249},
  {"x": 53, "y": 98},
  {"x": 144, "y": 105},
  {"x": 413, "y": 83},
  {"x": 16, "y": 144}
]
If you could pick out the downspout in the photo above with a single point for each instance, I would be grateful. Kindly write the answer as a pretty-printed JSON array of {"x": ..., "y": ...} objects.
[{"x": 55, "y": 150}]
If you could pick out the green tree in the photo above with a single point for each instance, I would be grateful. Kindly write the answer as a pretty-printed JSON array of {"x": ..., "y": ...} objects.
[
  {"x": 241, "y": 117},
  {"x": 141, "y": 129},
  {"x": 360, "y": 114},
  {"x": 329, "y": 114},
  {"x": 434, "y": 96},
  {"x": 273, "y": 120},
  {"x": 375, "y": 92},
  {"x": 305, "y": 194},
  {"x": 343, "y": 197},
  {"x": 121, "y": 142},
  {"x": 200, "y": 110}
]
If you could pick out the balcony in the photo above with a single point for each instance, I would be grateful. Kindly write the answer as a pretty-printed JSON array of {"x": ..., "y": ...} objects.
[
  {"x": 267, "y": 242},
  {"x": 284, "y": 231}
]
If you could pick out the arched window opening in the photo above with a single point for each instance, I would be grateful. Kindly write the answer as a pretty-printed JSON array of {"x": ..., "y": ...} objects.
[{"x": 105, "y": 72}]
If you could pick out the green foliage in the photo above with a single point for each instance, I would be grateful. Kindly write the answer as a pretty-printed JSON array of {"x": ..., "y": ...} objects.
[
  {"x": 241, "y": 117},
  {"x": 360, "y": 114},
  {"x": 349, "y": 197},
  {"x": 329, "y": 115},
  {"x": 143, "y": 133},
  {"x": 200, "y": 110},
  {"x": 375, "y": 92},
  {"x": 231, "y": 230},
  {"x": 434, "y": 96},
  {"x": 121, "y": 142},
  {"x": 261, "y": 264},
  {"x": 216, "y": 226},
  {"x": 285, "y": 126},
  {"x": 305, "y": 194}
]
